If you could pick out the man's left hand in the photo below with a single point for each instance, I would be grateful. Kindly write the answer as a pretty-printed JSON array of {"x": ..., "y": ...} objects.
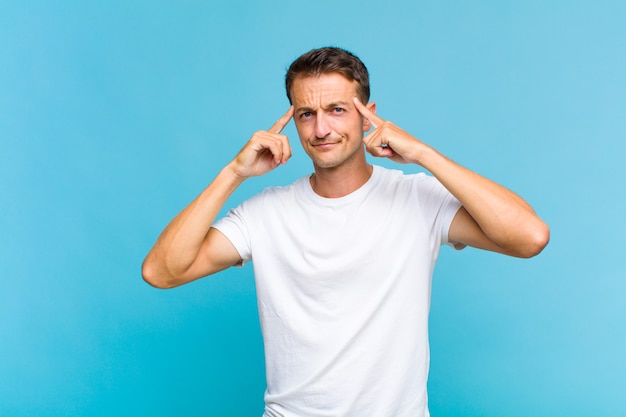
[{"x": 388, "y": 140}]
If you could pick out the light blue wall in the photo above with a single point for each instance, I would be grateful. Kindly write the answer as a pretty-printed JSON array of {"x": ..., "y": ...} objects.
[{"x": 114, "y": 115}]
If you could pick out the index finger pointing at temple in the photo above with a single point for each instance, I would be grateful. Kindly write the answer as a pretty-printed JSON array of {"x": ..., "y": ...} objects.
[
  {"x": 370, "y": 115},
  {"x": 282, "y": 122}
]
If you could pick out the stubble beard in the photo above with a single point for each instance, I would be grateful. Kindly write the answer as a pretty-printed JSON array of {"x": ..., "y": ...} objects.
[{"x": 336, "y": 161}]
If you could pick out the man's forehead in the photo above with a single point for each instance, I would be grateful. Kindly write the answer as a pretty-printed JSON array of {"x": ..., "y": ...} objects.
[{"x": 326, "y": 87}]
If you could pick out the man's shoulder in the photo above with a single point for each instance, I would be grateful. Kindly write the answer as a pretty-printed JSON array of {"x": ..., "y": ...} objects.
[
  {"x": 278, "y": 192},
  {"x": 396, "y": 175},
  {"x": 286, "y": 189}
]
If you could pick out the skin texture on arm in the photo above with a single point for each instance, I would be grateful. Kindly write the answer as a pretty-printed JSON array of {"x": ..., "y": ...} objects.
[
  {"x": 189, "y": 248},
  {"x": 492, "y": 217}
]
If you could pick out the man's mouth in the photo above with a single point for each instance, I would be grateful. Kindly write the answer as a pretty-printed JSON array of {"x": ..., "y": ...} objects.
[{"x": 324, "y": 145}]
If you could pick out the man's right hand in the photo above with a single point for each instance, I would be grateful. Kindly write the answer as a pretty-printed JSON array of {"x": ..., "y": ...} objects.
[{"x": 264, "y": 151}]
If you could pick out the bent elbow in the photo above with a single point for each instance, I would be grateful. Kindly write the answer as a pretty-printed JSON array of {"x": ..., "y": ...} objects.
[
  {"x": 537, "y": 241},
  {"x": 151, "y": 276}
]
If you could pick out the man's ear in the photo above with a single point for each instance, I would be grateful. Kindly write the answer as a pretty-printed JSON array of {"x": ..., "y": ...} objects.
[{"x": 367, "y": 125}]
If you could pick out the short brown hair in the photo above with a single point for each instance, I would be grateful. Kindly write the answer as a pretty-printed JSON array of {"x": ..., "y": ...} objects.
[{"x": 328, "y": 60}]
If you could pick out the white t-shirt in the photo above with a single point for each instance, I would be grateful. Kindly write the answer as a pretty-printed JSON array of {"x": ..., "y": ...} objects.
[{"x": 343, "y": 288}]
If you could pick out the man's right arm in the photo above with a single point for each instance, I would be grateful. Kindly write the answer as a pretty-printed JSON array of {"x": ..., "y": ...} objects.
[{"x": 189, "y": 248}]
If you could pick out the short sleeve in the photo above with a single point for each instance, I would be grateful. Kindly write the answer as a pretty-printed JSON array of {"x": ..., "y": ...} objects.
[
  {"x": 438, "y": 204},
  {"x": 234, "y": 227}
]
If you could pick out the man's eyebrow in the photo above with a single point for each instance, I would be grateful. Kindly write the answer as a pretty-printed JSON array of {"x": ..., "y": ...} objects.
[
  {"x": 336, "y": 104},
  {"x": 304, "y": 109},
  {"x": 328, "y": 106}
]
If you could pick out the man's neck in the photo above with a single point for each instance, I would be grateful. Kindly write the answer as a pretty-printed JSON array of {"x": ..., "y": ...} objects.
[{"x": 340, "y": 181}]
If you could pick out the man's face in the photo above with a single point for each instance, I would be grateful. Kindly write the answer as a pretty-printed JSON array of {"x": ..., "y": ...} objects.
[{"x": 329, "y": 125}]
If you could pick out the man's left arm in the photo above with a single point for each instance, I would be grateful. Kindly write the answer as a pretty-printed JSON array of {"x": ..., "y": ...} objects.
[{"x": 492, "y": 217}]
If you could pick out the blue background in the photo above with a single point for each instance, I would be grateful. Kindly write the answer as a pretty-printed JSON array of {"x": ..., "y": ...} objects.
[{"x": 114, "y": 115}]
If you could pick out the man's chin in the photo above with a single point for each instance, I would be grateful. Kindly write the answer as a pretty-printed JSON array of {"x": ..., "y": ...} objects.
[{"x": 325, "y": 164}]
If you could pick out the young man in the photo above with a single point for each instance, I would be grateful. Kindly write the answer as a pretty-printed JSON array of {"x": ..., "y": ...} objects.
[{"x": 343, "y": 258}]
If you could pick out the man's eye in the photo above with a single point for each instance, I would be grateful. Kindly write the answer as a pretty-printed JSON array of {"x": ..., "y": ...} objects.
[
  {"x": 305, "y": 114},
  {"x": 338, "y": 110}
]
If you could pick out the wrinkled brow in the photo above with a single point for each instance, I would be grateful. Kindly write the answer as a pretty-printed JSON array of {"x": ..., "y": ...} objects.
[{"x": 328, "y": 106}]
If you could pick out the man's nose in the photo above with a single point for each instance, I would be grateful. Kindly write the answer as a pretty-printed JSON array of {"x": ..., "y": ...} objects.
[{"x": 322, "y": 127}]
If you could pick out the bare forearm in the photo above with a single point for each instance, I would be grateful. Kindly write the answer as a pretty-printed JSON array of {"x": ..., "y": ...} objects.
[
  {"x": 179, "y": 244},
  {"x": 504, "y": 217},
  {"x": 188, "y": 248}
]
